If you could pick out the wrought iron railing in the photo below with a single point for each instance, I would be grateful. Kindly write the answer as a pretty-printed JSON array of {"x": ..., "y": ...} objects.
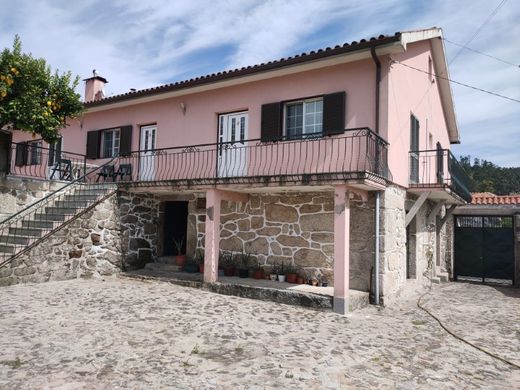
[
  {"x": 438, "y": 168},
  {"x": 21, "y": 231},
  {"x": 32, "y": 160},
  {"x": 356, "y": 154}
]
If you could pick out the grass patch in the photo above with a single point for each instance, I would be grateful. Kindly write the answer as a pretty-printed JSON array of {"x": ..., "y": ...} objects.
[{"x": 14, "y": 364}]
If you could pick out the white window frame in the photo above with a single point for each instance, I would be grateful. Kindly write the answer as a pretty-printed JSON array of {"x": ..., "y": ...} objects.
[
  {"x": 36, "y": 158},
  {"x": 114, "y": 148},
  {"x": 303, "y": 102}
]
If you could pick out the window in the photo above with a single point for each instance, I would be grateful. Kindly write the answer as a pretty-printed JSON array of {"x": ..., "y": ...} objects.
[
  {"x": 110, "y": 143},
  {"x": 303, "y": 118},
  {"x": 55, "y": 152},
  {"x": 35, "y": 153}
]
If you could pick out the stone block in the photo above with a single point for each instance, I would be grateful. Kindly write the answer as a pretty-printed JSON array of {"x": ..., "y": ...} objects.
[
  {"x": 280, "y": 213},
  {"x": 246, "y": 236},
  {"x": 322, "y": 237},
  {"x": 269, "y": 231},
  {"x": 77, "y": 253},
  {"x": 232, "y": 244},
  {"x": 95, "y": 238},
  {"x": 323, "y": 222},
  {"x": 244, "y": 225},
  {"x": 294, "y": 241},
  {"x": 310, "y": 208},
  {"x": 24, "y": 271},
  {"x": 311, "y": 258},
  {"x": 259, "y": 246},
  {"x": 137, "y": 243}
]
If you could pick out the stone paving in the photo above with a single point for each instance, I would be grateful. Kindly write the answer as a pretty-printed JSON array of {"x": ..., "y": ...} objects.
[{"x": 129, "y": 334}]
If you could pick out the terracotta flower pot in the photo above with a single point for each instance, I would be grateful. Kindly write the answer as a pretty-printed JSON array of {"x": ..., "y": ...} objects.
[
  {"x": 180, "y": 260},
  {"x": 201, "y": 268},
  {"x": 291, "y": 278},
  {"x": 229, "y": 271},
  {"x": 300, "y": 280},
  {"x": 258, "y": 274}
]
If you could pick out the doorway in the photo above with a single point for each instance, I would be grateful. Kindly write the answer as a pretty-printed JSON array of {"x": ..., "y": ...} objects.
[
  {"x": 5, "y": 149},
  {"x": 147, "y": 155},
  {"x": 175, "y": 226},
  {"x": 232, "y": 150}
]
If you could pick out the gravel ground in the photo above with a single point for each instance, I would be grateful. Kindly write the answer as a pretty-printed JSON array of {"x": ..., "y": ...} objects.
[{"x": 129, "y": 334}]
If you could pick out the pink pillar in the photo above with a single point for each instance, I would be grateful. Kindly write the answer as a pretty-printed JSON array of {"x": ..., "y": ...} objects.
[
  {"x": 341, "y": 249},
  {"x": 212, "y": 240}
]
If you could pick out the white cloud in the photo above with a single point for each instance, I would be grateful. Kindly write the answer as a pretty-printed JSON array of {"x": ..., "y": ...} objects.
[{"x": 138, "y": 44}]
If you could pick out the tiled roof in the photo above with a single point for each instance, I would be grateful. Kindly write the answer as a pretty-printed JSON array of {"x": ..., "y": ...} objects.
[
  {"x": 248, "y": 70},
  {"x": 487, "y": 198}
]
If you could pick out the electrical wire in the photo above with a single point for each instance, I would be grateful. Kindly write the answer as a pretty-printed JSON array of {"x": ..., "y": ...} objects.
[
  {"x": 491, "y": 15},
  {"x": 458, "y": 82},
  {"x": 484, "y": 54}
]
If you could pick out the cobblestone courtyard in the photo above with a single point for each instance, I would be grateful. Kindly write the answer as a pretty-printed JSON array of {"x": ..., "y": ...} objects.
[{"x": 118, "y": 333}]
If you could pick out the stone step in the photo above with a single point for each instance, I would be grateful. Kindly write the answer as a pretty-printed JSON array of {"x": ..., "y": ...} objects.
[
  {"x": 38, "y": 224},
  {"x": 81, "y": 197},
  {"x": 61, "y": 210},
  {"x": 20, "y": 231},
  {"x": 15, "y": 239},
  {"x": 49, "y": 217},
  {"x": 162, "y": 267},
  {"x": 7, "y": 249},
  {"x": 167, "y": 260},
  {"x": 71, "y": 203},
  {"x": 436, "y": 280},
  {"x": 444, "y": 277}
]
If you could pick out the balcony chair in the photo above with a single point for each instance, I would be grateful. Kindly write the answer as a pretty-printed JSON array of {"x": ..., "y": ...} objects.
[
  {"x": 64, "y": 169},
  {"x": 107, "y": 171},
  {"x": 124, "y": 172}
]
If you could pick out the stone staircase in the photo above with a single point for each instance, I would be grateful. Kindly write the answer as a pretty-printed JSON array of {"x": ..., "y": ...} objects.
[
  {"x": 164, "y": 264},
  {"x": 31, "y": 225}
]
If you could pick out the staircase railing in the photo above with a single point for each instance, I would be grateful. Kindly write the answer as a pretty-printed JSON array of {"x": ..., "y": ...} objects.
[{"x": 24, "y": 229}]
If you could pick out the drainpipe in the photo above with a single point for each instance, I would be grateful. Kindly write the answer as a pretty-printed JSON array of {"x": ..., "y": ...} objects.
[
  {"x": 376, "y": 265},
  {"x": 378, "y": 81}
]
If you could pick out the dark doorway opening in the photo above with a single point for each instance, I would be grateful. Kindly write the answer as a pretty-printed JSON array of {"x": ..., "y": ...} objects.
[
  {"x": 5, "y": 149},
  {"x": 175, "y": 226}
]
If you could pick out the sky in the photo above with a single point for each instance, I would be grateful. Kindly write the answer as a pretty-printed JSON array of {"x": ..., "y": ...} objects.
[{"x": 140, "y": 44}]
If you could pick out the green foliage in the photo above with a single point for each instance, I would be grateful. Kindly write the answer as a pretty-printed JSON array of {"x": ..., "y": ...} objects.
[
  {"x": 32, "y": 98},
  {"x": 488, "y": 177}
]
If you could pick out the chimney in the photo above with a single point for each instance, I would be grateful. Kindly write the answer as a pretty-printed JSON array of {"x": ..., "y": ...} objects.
[{"x": 94, "y": 87}]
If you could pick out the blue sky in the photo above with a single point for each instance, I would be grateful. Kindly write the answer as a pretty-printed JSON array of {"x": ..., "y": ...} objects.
[{"x": 139, "y": 44}]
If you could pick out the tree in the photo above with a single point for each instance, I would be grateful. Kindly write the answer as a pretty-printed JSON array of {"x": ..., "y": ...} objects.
[
  {"x": 488, "y": 177},
  {"x": 32, "y": 97}
]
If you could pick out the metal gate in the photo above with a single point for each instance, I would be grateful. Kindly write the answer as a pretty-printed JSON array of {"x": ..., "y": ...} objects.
[{"x": 484, "y": 249}]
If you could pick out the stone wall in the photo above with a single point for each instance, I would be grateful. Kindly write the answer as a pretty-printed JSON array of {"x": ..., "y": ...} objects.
[
  {"x": 17, "y": 193},
  {"x": 139, "y": 224},
  {"x": 88, "y": 247},
  {"x": 295, "y": 228}
]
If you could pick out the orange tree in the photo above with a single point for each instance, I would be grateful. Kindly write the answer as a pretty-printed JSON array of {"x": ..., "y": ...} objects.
[{"x": 32, "y": 97}]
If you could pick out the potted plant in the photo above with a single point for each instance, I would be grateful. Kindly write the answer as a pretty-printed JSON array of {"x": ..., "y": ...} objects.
[
  {"x": 281, "y": 273},
  {"x": 191, "y": 266},
  {"x": 199, "y": 259},
  {"x": 228, "y": 264},
  {"x": 274, "y": 272},
  {"x": 291, "y": 273},
  {"x": 244, "y": 262},
  {"x": 300, "y": 279},
  {"x": 180, "y": 259},
  {"x": 258, "y": 272}
]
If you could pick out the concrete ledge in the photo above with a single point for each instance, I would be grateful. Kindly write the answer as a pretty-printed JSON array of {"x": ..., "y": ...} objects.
[{"x": 240, "y": 288}]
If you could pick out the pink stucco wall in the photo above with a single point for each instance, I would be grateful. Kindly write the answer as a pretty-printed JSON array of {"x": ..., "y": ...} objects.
[
  {"x": 411, "y": 92},
  {"x": 403, "y": 91}
]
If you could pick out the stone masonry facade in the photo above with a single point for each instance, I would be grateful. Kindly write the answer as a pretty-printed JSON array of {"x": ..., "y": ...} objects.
[
  {"x": 88, "y": 247},
  {"x": 295, "y": 228}
]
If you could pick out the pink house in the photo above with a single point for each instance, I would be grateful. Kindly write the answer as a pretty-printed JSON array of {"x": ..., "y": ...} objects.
[{"x": 336, "y": 162}]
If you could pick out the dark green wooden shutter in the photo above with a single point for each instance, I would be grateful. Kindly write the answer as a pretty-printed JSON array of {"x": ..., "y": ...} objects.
[
  {"x": 414, "y": 133},
  {"x": 21, "y": 154},
  {"x": 93, "y": 138},
  {"x": 125, "y": 141},
  {"x": 271, "y": 125},
  {"x": 334, "y": 113}
]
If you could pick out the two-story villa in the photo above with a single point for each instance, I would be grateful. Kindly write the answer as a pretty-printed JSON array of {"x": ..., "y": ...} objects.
[{"x": 335, "y": 161}]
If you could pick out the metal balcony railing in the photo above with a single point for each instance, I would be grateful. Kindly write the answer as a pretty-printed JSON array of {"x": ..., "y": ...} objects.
[
  {"x": 438, "y": 168},
  {"x": 355, "y": 154},
  {"x": 31, "y": 160}
]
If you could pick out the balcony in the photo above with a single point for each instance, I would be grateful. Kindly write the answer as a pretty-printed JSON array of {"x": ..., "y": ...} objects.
[
  {"x": 440, "y": 172},
  {"x": 357, "y": 156}
]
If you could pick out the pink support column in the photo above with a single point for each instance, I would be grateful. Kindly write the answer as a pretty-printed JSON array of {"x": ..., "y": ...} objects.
[
  {"x": 212, "y": 240},
  {"x": 341, "y": 249}
]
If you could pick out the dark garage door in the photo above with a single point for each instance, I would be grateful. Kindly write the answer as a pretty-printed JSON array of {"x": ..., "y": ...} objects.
[{"x": 484, "y": 249}]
